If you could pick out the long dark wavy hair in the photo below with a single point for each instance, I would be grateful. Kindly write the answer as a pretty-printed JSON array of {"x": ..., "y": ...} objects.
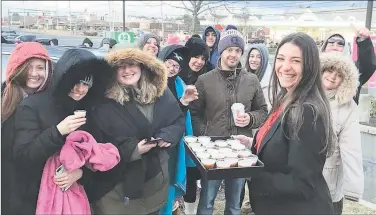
[{"x": 308, "y": 91}]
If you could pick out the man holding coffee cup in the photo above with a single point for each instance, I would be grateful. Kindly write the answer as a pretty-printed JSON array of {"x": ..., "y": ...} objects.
[{"x": 230, "y": 102}]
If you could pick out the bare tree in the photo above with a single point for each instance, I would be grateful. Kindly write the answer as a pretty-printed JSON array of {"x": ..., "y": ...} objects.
[
  {"x": 244, "y": 15},
  {"x": 197, "y": 7}
]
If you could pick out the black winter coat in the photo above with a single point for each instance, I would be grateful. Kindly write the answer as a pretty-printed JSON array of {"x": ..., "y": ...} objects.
[
  {"x": 292, "y": 182},
  {"x": 123, "y": 121},
  {"x": 366, "y": 63},
  {"x": 36, "y": 135},
  {"x": 9, "y": 188}
]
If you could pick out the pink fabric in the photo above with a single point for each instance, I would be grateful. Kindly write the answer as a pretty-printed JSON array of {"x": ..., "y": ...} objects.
[{"x": 80, "y": 149}]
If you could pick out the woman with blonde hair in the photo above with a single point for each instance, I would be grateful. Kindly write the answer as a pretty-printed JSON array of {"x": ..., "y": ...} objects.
[
  {"x": 28, "y": 71},
  {"x": 143, "y": 119}
]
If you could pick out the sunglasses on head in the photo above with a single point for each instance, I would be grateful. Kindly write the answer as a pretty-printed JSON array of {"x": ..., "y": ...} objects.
[{"x": 339, "y": 41}]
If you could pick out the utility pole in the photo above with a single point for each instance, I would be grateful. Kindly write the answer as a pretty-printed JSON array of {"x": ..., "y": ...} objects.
[
  {"x": 123, "y": 15},
  {"x": 24, "y": 16},
  {"x": 162, "y": 21},
  {"x": 369, "y": 14},
  {"x": 57, "y": 17},
  {"x": 9, "y": 19},
  {"x": 70, "y": 17}
]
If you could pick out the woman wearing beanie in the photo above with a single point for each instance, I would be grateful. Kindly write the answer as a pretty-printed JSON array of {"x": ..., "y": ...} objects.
[
  {"x": 199, "y": 59},
  {"x": 42, "y": 121},
  {"x": 142, "y": 118},
  {"x": 175, "y": 58},
  {"x": 343, "y": 170},
  {"x": 28, "y": 72},
  {"x": 150, "y": 43}
]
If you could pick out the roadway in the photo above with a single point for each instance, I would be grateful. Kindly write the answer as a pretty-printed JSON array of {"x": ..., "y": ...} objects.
[{"x": 63, "y": 39}]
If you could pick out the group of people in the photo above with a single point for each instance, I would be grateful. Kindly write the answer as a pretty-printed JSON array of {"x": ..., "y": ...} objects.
[{"x": 144, "y": 100}]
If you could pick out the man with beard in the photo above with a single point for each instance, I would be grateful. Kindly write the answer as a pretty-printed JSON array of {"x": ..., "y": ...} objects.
[
  {"x": 212, "y": 115},
  {"x": 366, "y": 62}
]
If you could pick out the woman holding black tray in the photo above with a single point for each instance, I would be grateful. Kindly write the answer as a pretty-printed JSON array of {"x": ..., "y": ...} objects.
[{"x": 296, "y": 138}]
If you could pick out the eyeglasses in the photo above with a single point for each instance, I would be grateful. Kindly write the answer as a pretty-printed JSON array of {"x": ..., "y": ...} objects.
[
  {"x": 170, "y": 63},
  {"x": 339, "y": 41}
]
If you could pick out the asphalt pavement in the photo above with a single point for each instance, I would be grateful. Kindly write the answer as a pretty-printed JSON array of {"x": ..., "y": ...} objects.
[{"x": 63, "y": 40}]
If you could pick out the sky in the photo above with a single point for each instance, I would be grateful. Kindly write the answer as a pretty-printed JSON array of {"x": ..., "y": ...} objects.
[{"x": 153, "y": 8}]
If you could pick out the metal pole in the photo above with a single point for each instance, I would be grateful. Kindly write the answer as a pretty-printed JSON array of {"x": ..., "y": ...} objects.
[
  {"x": 70, "y": 18},
  {"x": 369, "y": 14},
  {"x": 24, "y": 16},
  {"x": 162, "y": 21},
  {"x": 57, "y": 18},
  {"x": 8, "y": 20},
  {"x": 123, "y": 15}
]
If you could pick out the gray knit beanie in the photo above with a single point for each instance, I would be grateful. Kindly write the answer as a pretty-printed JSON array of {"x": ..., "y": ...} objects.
[
  {"x": 230, "y": 38},
  {"x": 144, "y": 38}
]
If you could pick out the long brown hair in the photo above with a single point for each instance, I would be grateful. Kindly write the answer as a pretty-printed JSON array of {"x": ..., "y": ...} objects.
[
  {"x": 308, "y": 91},
  {"x": 13, "y": 92}
]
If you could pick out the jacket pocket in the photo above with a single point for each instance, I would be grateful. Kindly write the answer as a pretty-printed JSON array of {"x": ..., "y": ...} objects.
[{"x": 331, "y": 178}]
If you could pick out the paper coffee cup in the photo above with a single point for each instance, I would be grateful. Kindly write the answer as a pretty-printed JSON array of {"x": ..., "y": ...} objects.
[
  {"x": 237, "y": 108},
  {"x": 80, "y": 113}
]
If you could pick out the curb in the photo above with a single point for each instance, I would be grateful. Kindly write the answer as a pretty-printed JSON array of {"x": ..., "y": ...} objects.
[{"x": 367, "y": 204}]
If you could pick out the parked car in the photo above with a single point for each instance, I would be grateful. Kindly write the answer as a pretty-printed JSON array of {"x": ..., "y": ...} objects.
[
  {"x": 55, "y": 53},
  {"x": 4, "y": 40},
  {"x": 25, "y": 38},
  {"x": 47, "y": 41}
]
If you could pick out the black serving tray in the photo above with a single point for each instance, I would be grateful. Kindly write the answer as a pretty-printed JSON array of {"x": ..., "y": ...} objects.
[{"x": 230, "y": 173}]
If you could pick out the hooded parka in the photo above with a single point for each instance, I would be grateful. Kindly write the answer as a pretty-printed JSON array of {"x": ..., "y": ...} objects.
[
  {"x": 366, "y": 62},
  {"x": 10, "y": 203},
  {"x": 139, "y": 184},
  {"x": 36, "y": 118},
  {"x": 214, "y": 54},
  {"x": 264, "y": 73},
  {"x": 343, "y": 170}
]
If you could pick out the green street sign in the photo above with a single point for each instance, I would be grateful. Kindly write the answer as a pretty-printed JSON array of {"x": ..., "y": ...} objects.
[{"x": 124, "y": 37}]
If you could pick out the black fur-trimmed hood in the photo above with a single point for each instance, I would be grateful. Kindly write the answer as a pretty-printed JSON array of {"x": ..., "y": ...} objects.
[{"x": 75, "y": 65}]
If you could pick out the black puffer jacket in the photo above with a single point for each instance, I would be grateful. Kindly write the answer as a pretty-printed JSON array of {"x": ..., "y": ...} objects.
[{"x": 36, "y": 134}]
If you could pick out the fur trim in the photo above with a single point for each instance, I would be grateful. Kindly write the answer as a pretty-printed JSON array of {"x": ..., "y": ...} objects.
[
  {"x": 148, "y": 92},
  {"x": 347, "y": 90}
]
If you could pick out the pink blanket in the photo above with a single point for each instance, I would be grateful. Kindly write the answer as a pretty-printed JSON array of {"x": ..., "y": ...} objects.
[{"x": 80, "y": 149}]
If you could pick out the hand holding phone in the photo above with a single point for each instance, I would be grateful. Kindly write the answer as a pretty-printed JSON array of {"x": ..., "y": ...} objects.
[
  {"x": 144, "y": 146},
  {"x": 153, "y": 141}
]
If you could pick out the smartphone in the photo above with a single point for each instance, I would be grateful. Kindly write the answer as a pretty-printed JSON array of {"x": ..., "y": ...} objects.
[
  {"x": 60, "y": 170},
  {"x": 153, "y": 141}
]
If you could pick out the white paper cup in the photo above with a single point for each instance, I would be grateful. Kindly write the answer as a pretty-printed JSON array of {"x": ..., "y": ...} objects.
[
  {"x": 223, "y": 164},
  {"x": 203, "y": 155},
  {"x": 194, "y": 145},
  {"x": 204, "y": 140},
  {"x": 233, "y": 161},
  {"x": 233, "y": 142},
  {"x": 225, "y": 150},
  {"x": 209, "y": 145},
  {"x": 190, "y": 139},
  {"x": 81, "y": 113},
  {"x": 221, "y": 143},
  {"x": 245, "y": 154},
  {"x": 237, "y": 108},
  {"x": 248, "y": 162},
  {"x": 238, "y": 147},
  {"x": 208, "y": 163}
]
